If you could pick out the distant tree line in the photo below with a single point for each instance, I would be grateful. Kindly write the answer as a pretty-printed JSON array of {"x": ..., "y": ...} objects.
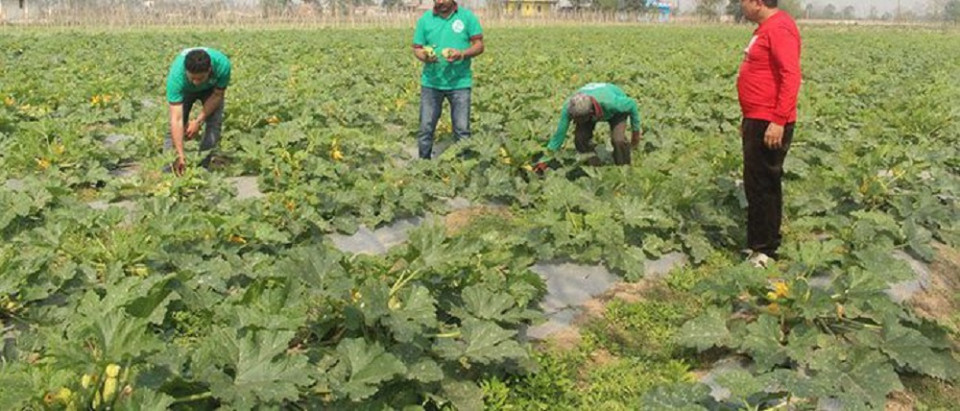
[{"x": 936, "y": 10}]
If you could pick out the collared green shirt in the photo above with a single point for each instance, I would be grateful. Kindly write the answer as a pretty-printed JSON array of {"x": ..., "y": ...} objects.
[
  {"x": 178, "y": 83},
  {"x": 455, "y": 31},
  {"x": 612, "y": 101}
]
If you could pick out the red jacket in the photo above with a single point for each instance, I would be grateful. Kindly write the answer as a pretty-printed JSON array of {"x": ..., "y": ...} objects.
[{"x": 769, "y": 77}]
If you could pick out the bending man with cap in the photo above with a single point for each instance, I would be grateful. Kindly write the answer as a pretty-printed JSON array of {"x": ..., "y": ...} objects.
[{"x": 593, "y": 103}]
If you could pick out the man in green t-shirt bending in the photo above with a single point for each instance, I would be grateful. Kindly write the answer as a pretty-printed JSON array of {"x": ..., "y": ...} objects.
[
  {"x": 196, "y": 74},
  {"x": 593, "y": 103}
]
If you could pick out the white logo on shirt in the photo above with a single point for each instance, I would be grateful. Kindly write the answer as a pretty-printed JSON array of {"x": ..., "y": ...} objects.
[
  {"x": 457, "y": 26},
  {"x": 750, "y": 45}
]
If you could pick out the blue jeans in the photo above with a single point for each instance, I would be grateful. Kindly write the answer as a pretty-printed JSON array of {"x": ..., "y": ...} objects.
[
  {"x": 431, "y": 102},
  {"x": 212, "y": 125}
]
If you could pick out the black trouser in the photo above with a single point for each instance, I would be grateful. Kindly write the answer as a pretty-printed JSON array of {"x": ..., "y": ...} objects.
[
  {"x": 583, "y": 138},
  {"x": 762, "y": 175},
  {"x": 212, "y": 125}
]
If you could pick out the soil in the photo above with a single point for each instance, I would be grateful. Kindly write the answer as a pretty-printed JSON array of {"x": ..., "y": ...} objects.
[
  {"x": 940, "y": 301},
  {"x": 461, "y": 219}
]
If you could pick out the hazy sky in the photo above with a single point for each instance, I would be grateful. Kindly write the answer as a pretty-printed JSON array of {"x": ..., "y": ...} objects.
[{"x": 862, "y": 6}]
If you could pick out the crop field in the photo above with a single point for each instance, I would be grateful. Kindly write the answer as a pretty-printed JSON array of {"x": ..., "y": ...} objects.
[{"x": 123, "y": 287}]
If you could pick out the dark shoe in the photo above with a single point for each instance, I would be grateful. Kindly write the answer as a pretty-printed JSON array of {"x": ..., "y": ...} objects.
[{"x": 205, "y": 163}]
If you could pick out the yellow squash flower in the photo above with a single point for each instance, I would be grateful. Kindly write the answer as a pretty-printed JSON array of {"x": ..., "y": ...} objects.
[{"x": 781, "y": 289}]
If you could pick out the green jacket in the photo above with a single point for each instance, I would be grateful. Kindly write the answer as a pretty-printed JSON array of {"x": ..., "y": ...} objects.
[{"x": 613, "y": 102}]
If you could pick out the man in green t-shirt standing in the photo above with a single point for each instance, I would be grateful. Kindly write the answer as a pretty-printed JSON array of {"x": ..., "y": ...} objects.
[
  {"x": 593, "y": 103},
  {"x": 446, "y": 40},
  {"x": 196, "y": 74}
]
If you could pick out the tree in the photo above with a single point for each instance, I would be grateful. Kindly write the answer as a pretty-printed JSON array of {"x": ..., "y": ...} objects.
[
  {"x": 734, "y": 10},
  {"x": 849, "y": 13},
  {"x": 273, "y": 7},
  {"x": 951, "y": 11},
  {"x": 829, "y": 12},
  {"x": 809, "y": 12},
  {"x": 874, "y": 14},
  {"x": 708, "y": 9},
  {"x": 793, "y": 7},
  {"x": 393, "y": 4},
  {"x": 936, "y": 9}
]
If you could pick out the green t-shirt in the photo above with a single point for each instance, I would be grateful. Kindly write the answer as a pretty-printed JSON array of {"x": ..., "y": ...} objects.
[
  {"x": 612, "y": 101},
  {"x": 455, "y": 32},
  {"x": 178, "y": 84}
]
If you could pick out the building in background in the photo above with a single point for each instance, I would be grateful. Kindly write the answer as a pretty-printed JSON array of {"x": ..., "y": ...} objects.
[
  {"x": 12, "y": 11},
  {"x": 530, "y": 8},
  {"x": 663, "y": 9}
]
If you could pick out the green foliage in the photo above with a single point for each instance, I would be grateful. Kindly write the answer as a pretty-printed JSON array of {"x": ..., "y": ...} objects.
[
  {"x": 845, "y": 340},
  {"x": 644, "y": 329},
  {"x": 203, "y": 300}
]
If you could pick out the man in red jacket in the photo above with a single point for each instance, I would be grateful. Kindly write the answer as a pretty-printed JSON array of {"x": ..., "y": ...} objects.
[{"x": 767, "y": 87}]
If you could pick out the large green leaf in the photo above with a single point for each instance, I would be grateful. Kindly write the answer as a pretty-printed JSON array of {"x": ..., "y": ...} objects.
[
  {"x": 676, "y": 397},
  {"x": 373, "y": 302},
  {"x": 482, "y": 342},
  {"x": 147, "y": 400},
  {"x": 706, "y": 331},
  {"x": 763, "y": 342},
  {"x": 487, "y": 342},
  {"x": 274, "y": 304},
  {"x": 801, "y": 343},
  {"x": 879, "y": 263},
  {"x": 919, "y": 239},
  {"x": 860, "y": 376},
  {"x": 697, "y": 245},
  {"x": 816, "y": 255},
  {"x": 319, "y": 269},
  {"x": 411, "y": 312},
  {"x": 796, "y": 383},
  {"x": 464, "y": 395},
  {"x": 255, "y": 369},
  {"x": 909, "y": 348},
  {"x": 17, "y": 386},
  {"x": 121, "y": 336},
  {"x": 106, "y": 334},
  {"x": 425, "y": 370},
  {"x": 367, "y": 365},
  {"x": 741, "y": 384},
  {"x": 152, "y": 304},
  {"x": 485, "y": 304}
]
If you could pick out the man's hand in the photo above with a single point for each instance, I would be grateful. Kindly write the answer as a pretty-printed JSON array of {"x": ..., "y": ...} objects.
[
  {"x": 179, "y": 165},
  {"x": 539, "y": 162},
  {"x": 423, "y": 56},
  {"x": 635, "y": 139},
  {"x": 453, "y": 55},
  {"x": 192, "y": 129},
  {"x": 773, "y": 138}
]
